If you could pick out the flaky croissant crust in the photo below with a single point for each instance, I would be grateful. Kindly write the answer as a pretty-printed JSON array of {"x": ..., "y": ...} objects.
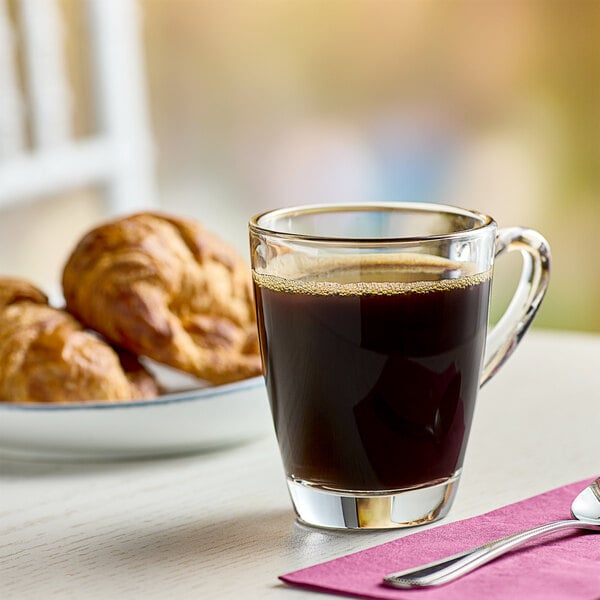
[
  {"x": 168, "y": 289},
  {"x": 47, "y": 356}
]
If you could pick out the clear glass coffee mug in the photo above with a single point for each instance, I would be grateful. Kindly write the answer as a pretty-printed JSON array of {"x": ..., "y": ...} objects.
[{"x": 373, "y": 324}]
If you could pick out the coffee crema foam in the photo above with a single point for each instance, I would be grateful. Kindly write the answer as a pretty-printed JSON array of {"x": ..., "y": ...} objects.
[{"x": 368, "y": 275}]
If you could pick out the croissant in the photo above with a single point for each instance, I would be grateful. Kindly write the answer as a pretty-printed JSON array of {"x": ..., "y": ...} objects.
[
  {"x": 47, "y": 356},
  {"x": 166, "y": 288}
]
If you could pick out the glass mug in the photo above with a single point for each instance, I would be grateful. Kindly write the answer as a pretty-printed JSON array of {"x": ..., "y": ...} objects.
[{"x": 373, "y": 324}]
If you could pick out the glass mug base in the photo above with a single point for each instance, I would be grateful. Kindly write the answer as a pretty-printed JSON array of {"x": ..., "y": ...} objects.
[{"x": 351, "y": 510}]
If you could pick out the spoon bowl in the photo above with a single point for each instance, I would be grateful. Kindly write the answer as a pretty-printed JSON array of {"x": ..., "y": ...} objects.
[
  {"x": 585, "y": 511},
  {"x": 586, "y": 506}
]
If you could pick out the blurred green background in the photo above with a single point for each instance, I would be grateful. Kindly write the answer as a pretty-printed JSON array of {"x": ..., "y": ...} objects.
[{"x": 491, "y": 105}]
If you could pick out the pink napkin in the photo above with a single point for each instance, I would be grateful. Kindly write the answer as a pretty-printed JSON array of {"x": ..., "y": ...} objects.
[{"x": 561, "y": 566}]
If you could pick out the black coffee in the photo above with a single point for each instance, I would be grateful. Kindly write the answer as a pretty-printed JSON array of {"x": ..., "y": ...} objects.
[{"x": 372, "y": 371}]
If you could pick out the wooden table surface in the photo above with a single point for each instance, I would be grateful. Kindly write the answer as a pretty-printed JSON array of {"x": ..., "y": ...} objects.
[{"x": 220, "y": 524}]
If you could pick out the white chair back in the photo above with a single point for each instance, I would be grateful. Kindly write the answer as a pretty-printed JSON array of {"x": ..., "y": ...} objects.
[{"x": 40, "y": 155}]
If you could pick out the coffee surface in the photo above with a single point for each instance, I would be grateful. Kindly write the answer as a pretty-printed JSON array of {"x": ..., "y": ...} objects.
[{"x": 372, "y": 366}]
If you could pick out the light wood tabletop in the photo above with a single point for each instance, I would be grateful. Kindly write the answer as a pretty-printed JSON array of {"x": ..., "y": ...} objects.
[{"x": 220, "y": 524}]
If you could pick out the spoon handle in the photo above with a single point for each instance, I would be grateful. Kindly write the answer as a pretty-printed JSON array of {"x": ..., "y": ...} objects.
[{"x": 448, "y": 569}]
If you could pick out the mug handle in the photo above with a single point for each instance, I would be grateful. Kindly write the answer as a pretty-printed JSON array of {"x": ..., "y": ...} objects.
[{"x": 505, "y": 336}]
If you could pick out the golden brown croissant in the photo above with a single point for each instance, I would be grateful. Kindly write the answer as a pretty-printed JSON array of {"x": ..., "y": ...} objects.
[
  {"x": 46, "y": 356},
  {"x": 166, "y": 288}
]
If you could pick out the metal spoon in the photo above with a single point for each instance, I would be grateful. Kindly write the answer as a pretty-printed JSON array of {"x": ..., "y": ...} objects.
[{"x": 585, "y": 510}]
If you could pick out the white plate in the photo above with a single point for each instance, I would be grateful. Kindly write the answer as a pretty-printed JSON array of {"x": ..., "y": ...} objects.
[{"x": 189, "y": 421}]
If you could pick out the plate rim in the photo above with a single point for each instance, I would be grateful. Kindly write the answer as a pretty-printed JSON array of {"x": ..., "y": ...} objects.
[{"x": 191, "y": 395}]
